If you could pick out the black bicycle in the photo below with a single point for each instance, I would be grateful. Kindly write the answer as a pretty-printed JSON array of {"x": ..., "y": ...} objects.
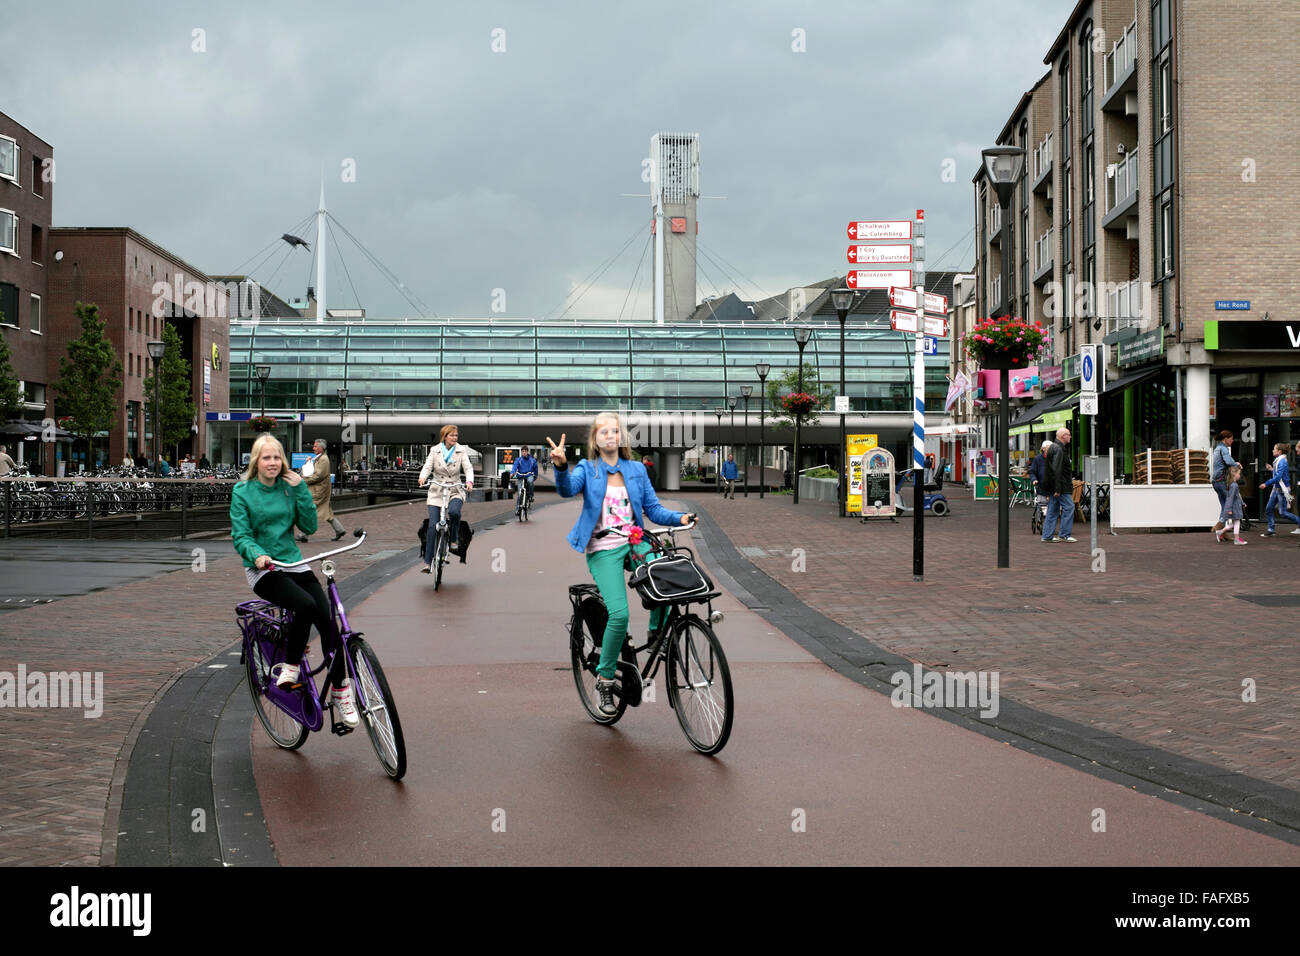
[
  {"x": 699, "y": 680},
  {"x": 523, "y": 500}
]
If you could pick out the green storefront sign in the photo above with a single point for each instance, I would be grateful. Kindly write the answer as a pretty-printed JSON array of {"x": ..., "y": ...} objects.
[
  {"x": 1144, "y": 348},
  {"x": 1070, "y": 367}
]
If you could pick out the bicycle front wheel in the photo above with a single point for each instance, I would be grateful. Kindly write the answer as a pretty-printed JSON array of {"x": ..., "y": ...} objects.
[
  {"x": 378, "y": 710},
  {"x": 584, "y": 650},
  {"x": 280, "y": 727},
  {"x": 440, "y": 546},
  {"x": 699, "y": 685}
]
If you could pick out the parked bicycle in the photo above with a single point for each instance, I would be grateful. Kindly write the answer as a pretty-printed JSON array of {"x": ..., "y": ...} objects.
[
  {"x": 288, "y": 716},
  {"x": 699, "y": 680}
]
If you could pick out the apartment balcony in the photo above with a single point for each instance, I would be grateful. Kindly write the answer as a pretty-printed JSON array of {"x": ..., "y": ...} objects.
[
  {"x": 1041, "y": 169},
  {"x": 1043, "y": 258},
  {"x": 995, "y": 295},
  {"x": 1119, "y": 92},
  {"x": 1121, "y": 193},
  {"x": 995, "y": 226},
  {"x": 1123, "y": 311}
]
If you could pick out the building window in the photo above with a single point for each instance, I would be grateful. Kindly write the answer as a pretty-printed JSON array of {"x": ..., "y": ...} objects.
[
  {"x": 38, "y": 245},
  {"x": 35, "y": 313},
  {"x": 8, "y": 231},
  {"x": 8, "y": 304},
  {"x": 1160, "y": 30},
  {"x": 38, "y": 177},
  {"x": 1165, "y": 236},
  {"x": 8, "y": 158}
]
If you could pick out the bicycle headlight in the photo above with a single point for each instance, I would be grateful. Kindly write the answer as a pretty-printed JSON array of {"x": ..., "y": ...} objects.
[
  {"x": 715, "y": 617},
  {"x": 327, "y": 567}
]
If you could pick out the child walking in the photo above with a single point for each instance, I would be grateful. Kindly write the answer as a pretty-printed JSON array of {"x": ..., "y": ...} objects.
[{"x": 1230, "y": 517}]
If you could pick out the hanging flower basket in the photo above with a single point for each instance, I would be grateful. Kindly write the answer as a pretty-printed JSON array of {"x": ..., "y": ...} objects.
[
  {"x": 1006, "y": 342},
  {"x": 262, "y": 423},
  {"x": 799, "y": 403}
]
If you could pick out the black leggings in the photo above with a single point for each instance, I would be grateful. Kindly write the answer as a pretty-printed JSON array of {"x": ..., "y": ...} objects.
[{"x": 303, "y": 595}]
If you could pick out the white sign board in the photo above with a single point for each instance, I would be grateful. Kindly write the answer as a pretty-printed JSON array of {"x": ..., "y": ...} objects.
[
  {"x": 877, "y": 278},
  {"x": 1088, "y": 404},
  {"x": 1088, "y": 369},
  {"x": 881, "y": 254},
  {"x": 904, "y": 298},
  {"x": 880, "y": 229},
  {"x": 841, "y": 404},
  {"x": 906, "y": 322}
]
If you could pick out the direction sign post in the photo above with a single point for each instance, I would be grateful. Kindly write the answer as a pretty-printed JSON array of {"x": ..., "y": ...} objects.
[
  {"x": 918, "y": 413},
  {"x": 877, "y": 278},
  {"x": 1089, "y": 373}
]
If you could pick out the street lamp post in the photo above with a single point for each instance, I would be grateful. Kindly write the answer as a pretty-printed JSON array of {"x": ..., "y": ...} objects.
[
  {"x": 761, "y": 370},
  {"x": 801, "y": 336},
  {"x": 263, "y": 373},
  {"x": 842, "y": 299},
  {"x": 367, "y": 401},
  {"x": 731, "y": 404},
  {"x": 343, "y": 404},
  {"x": 717, "y": 464},
  {"x": 156, "y": 351},
  {"x": 745, "y": 392},
  {"x": 1004, "y": 166}
]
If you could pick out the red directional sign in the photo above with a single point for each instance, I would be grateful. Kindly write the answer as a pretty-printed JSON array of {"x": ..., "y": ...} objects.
[
  {"x": 869, "y": 229},
  {"x": 877, "y": 278},
  {"x": 903, "y": 298},
  {"x": 880, "y": 254},
  {"x": 906, "y": 322}
]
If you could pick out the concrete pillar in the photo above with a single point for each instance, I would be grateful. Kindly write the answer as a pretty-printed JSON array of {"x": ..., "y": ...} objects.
[
  {"x": 670, "y": 469},
  {"x": 1198, "y": 407}
]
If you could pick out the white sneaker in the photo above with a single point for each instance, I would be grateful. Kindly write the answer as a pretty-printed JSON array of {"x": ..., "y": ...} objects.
[
  {"x": 288, "y": 676},
  {"x": 345, "y": 703},
  {"x": 1296, "y": 531}
]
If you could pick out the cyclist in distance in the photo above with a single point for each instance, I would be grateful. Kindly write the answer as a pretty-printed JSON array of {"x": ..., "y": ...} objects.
[
  {"x": 616, "y": 493},
  {"x": 446, "y": 462},
  {"x": 525, "y": 467},
  {"x": 264, "y": 509}
]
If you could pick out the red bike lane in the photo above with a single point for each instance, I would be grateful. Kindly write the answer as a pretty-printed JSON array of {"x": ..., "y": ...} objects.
[{"x": 505, "y": 767}]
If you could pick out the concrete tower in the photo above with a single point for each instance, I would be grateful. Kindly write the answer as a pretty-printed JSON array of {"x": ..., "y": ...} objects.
[{"x": 674, "y": 194}]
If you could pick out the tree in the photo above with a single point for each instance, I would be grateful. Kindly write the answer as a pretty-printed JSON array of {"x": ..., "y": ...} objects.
[
  {"x": 787, "y": 382},
  {"x": 11, "y": 396},
  {"x": 175, "y": 399},
  {"x": 90, "y": 377}
]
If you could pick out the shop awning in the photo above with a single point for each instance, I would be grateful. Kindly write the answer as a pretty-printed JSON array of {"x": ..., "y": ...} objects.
[
  {"x": 1053, "y": 417},
  {"x": 1135, "y": 378},
  {"x": 1027, "y": 415}
]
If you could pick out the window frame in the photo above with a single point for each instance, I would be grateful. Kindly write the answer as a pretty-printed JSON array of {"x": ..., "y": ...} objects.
[
  {"x": 11, "y": 250},
  {"x": 36, "y": 327},
  {"x": 17, "y": 159}
]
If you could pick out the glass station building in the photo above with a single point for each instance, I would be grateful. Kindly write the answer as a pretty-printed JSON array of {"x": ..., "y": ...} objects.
[{"x": 507, "y": 381}]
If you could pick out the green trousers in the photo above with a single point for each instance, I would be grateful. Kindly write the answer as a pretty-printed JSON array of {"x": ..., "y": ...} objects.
[{"x": 606, "y": 569}]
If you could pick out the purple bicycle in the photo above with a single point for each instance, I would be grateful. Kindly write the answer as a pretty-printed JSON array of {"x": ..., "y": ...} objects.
[{"x": 288, "y": 716}]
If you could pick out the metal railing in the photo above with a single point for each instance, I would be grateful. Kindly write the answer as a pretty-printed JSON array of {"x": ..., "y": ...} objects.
[
  {"x": 113, "y": 507},
  {"x": 1043, "y": 156},
  {"x": 1043, "y": 250},
  {"x": 997, "y": 289},
  {"x": 1122, "y": 56},
  {"x": 1121, "y": 181},
  {"x": 1124, "y": 306}
]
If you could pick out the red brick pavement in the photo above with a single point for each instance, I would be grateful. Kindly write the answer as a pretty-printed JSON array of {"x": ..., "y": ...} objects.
[
  {"x": 1155, "y": 648},
  {"x": 63, "y": 773}
]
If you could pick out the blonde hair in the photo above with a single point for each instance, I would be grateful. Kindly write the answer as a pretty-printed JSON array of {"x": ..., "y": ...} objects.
[
  {"x": 442, "y": 435},
  {"x": 258, "y": 445},
  {"x": 624, "y": 449}
]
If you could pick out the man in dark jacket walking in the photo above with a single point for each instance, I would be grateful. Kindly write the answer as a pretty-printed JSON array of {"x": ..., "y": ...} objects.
[{"x": 1058, "y": 485}]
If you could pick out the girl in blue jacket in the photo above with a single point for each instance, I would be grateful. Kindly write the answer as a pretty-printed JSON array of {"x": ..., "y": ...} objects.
[
  {"x": 616, "y": 493},
  {"x": 1281, "y": 485}
]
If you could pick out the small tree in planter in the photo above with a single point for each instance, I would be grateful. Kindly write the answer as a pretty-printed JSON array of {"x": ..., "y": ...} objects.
[{"x": 1006, "y": 342}]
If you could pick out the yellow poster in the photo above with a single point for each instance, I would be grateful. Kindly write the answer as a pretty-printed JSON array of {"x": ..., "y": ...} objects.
[{"x": 858, "y": 446}]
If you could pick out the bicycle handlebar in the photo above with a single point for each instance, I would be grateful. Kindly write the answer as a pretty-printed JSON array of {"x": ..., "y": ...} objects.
[
  {"x": 665, "y": 530},
  {"x": 361, "y": 537}
]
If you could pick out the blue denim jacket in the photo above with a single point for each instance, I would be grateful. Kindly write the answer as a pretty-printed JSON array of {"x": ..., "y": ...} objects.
[
  {"x": 1281, "y": 473},
  {"x": 591, "y": 478}
]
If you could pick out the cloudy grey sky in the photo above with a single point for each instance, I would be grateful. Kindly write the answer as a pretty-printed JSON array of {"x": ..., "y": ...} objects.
[{"x": 478, "y": 169}]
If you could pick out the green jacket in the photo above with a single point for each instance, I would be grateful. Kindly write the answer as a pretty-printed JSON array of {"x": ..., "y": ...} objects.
[{"x": 262, "y": 519}]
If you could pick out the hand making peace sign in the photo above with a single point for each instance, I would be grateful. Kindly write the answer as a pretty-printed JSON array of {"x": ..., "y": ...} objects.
[{"x": 557, "y": 452}]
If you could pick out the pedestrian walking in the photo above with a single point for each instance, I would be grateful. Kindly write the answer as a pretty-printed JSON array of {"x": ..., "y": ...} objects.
[
  {"x": 729, "y": 475},
  {"x": 1233, "y": 510},
  {"x": 1280, "y": 497},
  {"x": 316, "y": 473},
  {"x": 1058, "y": 485},
  {"x": 1220, "y": 461}
]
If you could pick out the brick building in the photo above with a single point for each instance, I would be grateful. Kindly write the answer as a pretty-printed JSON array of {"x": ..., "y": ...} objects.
[
  {"x": 138, "y": 287},
  {"x": 1156, "y": 216},
  {"x": 26, "y": 204}
]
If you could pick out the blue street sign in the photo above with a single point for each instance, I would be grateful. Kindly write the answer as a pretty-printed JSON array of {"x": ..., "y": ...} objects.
[
  {"x": 931, "y": 345},
  {"x": 1232, "y": 305}
]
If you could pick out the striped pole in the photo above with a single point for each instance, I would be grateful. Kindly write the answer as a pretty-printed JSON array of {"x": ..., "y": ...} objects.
[{"x": 918, "y": 404}]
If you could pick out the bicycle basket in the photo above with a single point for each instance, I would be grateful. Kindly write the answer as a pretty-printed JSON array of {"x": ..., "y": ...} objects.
[{"x": 671, "y": 579}]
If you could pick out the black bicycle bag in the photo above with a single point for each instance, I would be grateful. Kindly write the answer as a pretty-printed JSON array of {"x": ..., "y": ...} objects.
[{"x": 672, "y": 579}]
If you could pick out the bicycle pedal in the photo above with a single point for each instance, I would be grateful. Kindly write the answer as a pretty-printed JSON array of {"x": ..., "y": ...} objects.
[{"x": 340, "y": 728}]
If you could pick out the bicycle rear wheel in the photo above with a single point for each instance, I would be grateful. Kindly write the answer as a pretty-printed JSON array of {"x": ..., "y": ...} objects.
[
  {"x": 378, "y": 709},
  {"x": 699, "y": 685},
  {"x": 584, "y": 651},
  {"x": 283, "y": 730}
]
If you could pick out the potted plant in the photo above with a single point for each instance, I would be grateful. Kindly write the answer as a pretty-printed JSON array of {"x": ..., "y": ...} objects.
[
  {"x": 262, "y": 423},
  {"x": 798, "y": 403},
  {"x": 1006, "y": 342}
]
